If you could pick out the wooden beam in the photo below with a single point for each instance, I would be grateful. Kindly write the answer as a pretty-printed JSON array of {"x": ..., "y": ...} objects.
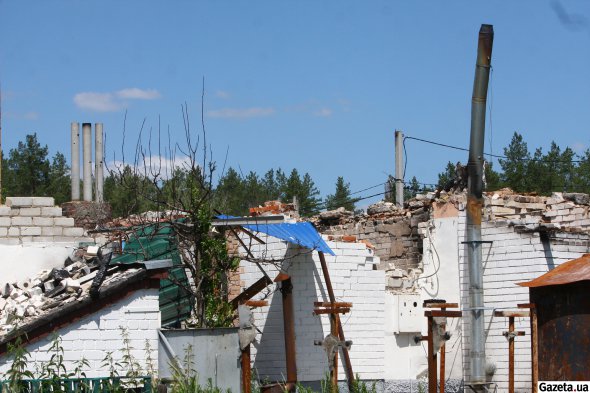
[
  {"x": 440, "y": 305},
  {"x": 512, "y": 314},
  {"x": 448, "y": 314},
  {"x": 330, "y": 304},
  {"x": 345, "y": 354},
  {"x": 251, "y": 291},
  {"x": 338, "y": 310},
  {"x": 256, "y": 303}
]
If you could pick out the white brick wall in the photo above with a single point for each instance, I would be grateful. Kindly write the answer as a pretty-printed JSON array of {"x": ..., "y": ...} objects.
[
  {"x": 36, "y": 220},
  {"x": 512, "y": 257},
  {"x": 93, "y": 336},
  {"x": 353, "y": 280}
]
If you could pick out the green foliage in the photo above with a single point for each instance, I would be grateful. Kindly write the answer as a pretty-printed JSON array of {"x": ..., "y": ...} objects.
[
  {"x": 235, "y": 194},
  {"x": 445, "y": 178},
  {"x": 28, "y": 172},
  {"x": 19, "y": 367},
  {"x": 516, "y": 164},
  {"x": 121, "y": 191},
  {"x": 341, "y": 197}
]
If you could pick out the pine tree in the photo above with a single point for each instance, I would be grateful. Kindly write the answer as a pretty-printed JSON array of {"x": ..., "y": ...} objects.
[
  {"x": 516, "y": 164},
  {"x": 341, "y": 197}
]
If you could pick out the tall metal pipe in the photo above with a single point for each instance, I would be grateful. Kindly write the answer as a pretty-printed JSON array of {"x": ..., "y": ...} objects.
[
  {"x": 399, "y": 174},
  {"x": 475, "y": 204},
  {"x": 87, "y": 157},
  {"x": 99, "y": 163},
  {"x": 289, "y": 330},
  {"x": 75, "y": 174}
]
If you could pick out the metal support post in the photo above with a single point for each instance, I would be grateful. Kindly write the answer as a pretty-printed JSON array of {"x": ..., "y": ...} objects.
[
  {"x": 289, "y": 331},
  {"x": 399, "y": 174}
]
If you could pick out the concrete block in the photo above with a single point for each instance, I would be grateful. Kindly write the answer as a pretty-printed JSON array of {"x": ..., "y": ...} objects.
[
  {"x": 63, "y": 221},
  {"x": 5, "y": 221},
  {"x": 73, "y": 232},
  {"x": 10, "y": 241},
  {"x": 30, "y": 231},
  {"x": 29, "y": 211},
  {"x": 19, "y": 201},
  {"x": 51, "y": 231},
  {"x": 4, "y": 211},
  {"x": 13, "y": 231},
  {"x": 22, "y": 221},
  {"x": 43, "y": 221},
  {"x": 51, "y": 211},
  {"x": 42, "y": 239},
  {"x": 43, "y": 201},
  {"x": 3, "y": 232}
]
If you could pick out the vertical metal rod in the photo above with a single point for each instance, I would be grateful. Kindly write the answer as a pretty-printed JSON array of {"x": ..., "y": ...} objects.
[
  {"x": 431, "y": 358},
  {"x": 87, "y": 158},
  {"x": 289, "y": 330},
  {"x": 75, "y": 151},
  {"x": 334, "y": 331},
  {"x": 246, "y": 371},
  {"x": 399, "y": 170},
  {"x": 510, "y": 355},
  {"x": 98, "y": 163},
  {"x": 475, "y": 204},
  {"x": 443, "y": 349},
  {"x": 345, "y": 355},
  {"x": 534, "y": 348}
]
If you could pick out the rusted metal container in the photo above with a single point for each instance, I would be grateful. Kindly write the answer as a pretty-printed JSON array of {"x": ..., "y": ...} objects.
[{"x": 562, "y": 301}]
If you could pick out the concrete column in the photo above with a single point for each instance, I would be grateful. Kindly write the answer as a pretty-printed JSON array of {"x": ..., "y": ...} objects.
[
  {"x": 99, "y": 162},
  {"x": 75, "y": 174},
  {"x": 87, "y": 157}
]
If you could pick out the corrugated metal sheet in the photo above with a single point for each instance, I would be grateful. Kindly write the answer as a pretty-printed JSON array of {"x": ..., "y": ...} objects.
[
  {"x": 566, "y": 273},
  {"x": 159, "y": 242},
  {"x": 300, "y": 233}
]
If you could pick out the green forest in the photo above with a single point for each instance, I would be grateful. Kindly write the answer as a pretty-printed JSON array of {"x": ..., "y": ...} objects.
[{"x": 27, "y": 170}]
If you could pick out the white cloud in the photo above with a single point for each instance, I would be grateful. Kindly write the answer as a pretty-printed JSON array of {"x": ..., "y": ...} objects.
[
  {"x": 324, "y": 112},
  {"x": 31, "y": 115},
  {"x": 135, "y": 93},
  {"x": 224, "y": 95},
  {"x": 162, "y": 166},
  {"x": 113, "y": 102},
  {"x": 235, "y": 113},
  {"x": 98, "y": 102},
  {"x": 578, "y": 147}
]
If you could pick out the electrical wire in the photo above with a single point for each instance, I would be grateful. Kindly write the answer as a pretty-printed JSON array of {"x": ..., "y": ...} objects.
[{"x": 488, "y": 154}]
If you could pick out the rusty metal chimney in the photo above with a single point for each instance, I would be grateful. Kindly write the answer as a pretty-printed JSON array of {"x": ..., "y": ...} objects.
[{"x": 477, "y": 357}]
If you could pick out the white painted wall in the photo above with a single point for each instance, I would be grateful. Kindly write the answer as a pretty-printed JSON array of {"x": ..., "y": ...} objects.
[
  {"x": 353, "y": 280},
  {"x": 93, "y": 336},
  {"x": 20, "y": 262},
  {"x": 406, "y": 360}
]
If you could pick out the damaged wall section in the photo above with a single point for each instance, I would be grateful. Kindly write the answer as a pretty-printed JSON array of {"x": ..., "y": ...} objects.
[
  {"x": 530, "y": 236},
  {"x": 354, "y": 280}
]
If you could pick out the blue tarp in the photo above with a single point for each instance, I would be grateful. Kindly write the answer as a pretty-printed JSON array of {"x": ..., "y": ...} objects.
[{"x": 300, "y": 233}]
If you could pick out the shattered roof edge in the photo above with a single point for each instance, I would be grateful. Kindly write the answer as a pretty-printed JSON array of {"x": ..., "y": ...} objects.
[{"x": 48, "y": 320}]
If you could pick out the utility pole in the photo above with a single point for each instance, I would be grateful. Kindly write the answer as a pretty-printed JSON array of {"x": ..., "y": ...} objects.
[
  {"x": 477, "y": 356},
  {"x": 399, "y": 174}
]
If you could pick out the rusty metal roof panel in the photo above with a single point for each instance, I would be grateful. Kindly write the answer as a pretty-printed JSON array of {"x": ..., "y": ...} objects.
[{"x": 566, "y": 273}]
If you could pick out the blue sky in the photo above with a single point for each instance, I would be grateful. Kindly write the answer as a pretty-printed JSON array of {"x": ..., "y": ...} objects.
[{"x": 316, "y": 85}]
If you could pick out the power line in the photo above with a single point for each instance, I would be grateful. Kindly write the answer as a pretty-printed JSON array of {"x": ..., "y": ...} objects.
[{"x": 487, "y": 154}]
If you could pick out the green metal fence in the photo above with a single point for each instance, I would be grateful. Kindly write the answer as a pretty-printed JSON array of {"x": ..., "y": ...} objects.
[{"x": 141, "y": 384}]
